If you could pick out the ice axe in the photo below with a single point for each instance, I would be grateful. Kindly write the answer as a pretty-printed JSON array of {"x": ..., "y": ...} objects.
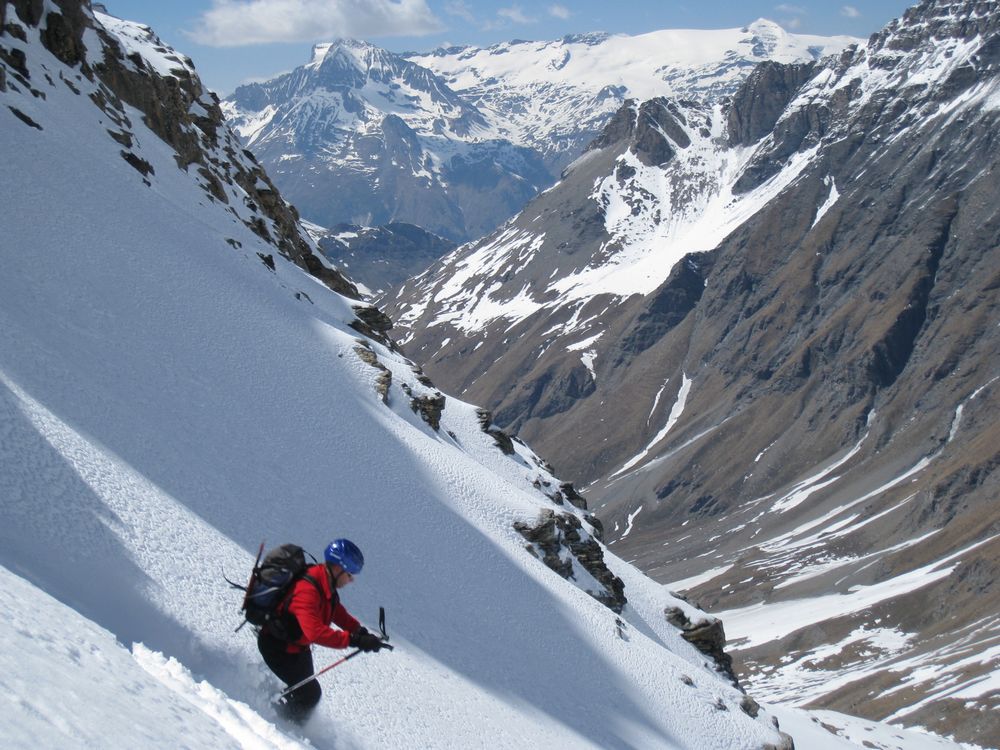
[{"x": 385, "y": 644}]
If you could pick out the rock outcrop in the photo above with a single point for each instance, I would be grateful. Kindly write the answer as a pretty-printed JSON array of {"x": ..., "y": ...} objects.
[
  {"x": 762, "y": 99},
  {"x": 709, "y": 637},
  {"x": 562, "y": 543}
]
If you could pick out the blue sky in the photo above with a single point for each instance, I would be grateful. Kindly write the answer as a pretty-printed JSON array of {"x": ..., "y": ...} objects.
[{"x": 234, "y": 41}]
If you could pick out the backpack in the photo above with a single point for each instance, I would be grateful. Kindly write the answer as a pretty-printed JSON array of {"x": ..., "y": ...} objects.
[{"x": 265, "y": 602}]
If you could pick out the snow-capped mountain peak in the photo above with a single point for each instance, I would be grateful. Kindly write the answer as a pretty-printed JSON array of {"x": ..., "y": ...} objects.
[
  {"x": 767, "y": 37},
  {"x": 354, "y": 62},
  {"x": 351, "y": 54}
]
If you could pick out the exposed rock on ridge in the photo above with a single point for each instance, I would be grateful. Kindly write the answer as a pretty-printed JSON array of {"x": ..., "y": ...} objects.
[
  {"x": 708, "y": 636},
  {"x": 556, "y": 534}
]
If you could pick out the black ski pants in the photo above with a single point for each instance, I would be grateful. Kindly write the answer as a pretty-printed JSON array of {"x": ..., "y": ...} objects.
[{"x": 291, "y": 668}]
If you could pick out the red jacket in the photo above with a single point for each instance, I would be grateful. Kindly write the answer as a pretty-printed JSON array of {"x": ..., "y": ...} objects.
[{"x": 316, "y": 611}]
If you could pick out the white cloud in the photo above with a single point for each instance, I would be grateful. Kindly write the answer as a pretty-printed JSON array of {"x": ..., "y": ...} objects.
[
  {"x": 792, "y": 24},
  {"x": 559, "y": 11},
  {"x": 515, "y": 14},
  {"x": 850, "y": 11},
  {"x": 233, "y": 23},
  {"x": 460, "y": 9},
  {"x": 790, "y": 9}
]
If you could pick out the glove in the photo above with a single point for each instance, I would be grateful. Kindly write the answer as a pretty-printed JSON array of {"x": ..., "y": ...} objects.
[{"x": 365, "y": 641}]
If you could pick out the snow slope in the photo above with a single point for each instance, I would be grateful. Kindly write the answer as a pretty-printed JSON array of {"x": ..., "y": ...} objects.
[
  {"x": 77, "y": 686},
  {"x": 167, "y": 400}
]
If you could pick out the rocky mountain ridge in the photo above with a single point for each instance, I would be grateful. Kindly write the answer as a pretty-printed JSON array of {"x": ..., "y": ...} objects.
[{"x": 764, "y": 333}]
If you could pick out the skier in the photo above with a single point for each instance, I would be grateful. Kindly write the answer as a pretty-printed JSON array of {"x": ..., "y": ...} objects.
[{"x": 314, "y": 604}]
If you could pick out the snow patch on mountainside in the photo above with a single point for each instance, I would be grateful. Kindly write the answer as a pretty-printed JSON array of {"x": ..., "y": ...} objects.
[
  {"x": 830, "y": 730},
  {"x": 675, "y": 414},
  {"x": 649, "y": 237},
  {"x": 486, "y": 264},
  {"x": 587, "y": 353},
  {"x": 760, "y": 623},
  {"x": 832, "y": 198}
]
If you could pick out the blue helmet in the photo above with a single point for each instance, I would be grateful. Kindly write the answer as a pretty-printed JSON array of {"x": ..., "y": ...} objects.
[{"x": 345, "y": 553}]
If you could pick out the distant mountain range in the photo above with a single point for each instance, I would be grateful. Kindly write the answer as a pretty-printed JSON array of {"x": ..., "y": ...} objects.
[
  {"x": 556, "y": 96},
  {"x": 763, "y": 332},
  {"x": 459, "y": 140}
]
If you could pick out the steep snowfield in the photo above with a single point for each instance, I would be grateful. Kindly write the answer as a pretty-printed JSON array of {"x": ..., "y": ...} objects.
[
  {"x": 167, "y": 400},
  {"x": 74, "y": 685},
  {"x": 70, "y": 683}
]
